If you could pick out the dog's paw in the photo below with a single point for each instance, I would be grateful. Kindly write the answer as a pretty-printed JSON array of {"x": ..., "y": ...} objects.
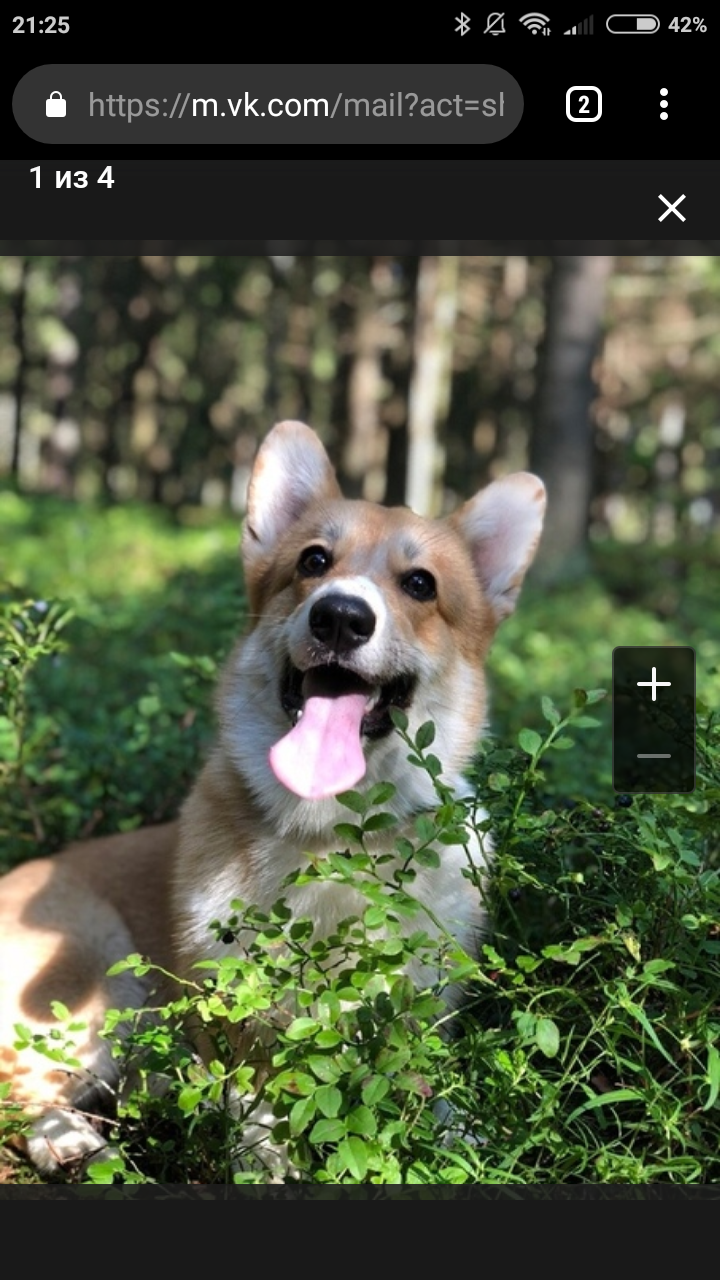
[
  {"x": 66, "y": 1142},
  {"x": 454, "y": 1126},
  {"x": 256, "y": 1152}
]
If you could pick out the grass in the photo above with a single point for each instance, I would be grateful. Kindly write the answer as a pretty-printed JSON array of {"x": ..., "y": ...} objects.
[{"x": 588, "y": 1051}]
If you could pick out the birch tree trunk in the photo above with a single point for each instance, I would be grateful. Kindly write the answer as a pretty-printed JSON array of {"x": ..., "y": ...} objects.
[{"x": 430, "y": 382}]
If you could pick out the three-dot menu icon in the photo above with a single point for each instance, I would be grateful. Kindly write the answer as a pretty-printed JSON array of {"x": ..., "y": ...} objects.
[{"x": 654, "y": 718}]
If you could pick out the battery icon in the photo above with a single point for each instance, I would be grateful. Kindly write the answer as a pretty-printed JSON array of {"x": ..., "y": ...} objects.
[{"x": 632, "y": 24}]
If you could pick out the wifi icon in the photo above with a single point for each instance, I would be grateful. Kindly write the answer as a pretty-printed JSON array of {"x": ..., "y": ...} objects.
[{"x": 538, "y": 23}]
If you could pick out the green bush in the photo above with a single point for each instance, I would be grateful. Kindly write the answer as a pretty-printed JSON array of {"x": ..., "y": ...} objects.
[{"x": 588, "y": 1048}]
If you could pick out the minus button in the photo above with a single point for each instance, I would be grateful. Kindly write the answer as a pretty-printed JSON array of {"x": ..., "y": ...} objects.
[{"x": 633, "y": 24}]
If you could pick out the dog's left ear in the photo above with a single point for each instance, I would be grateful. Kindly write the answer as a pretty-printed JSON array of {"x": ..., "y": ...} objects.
[
  {"x": 501, "y": 526},
  {"x": 290, "y": 471}
]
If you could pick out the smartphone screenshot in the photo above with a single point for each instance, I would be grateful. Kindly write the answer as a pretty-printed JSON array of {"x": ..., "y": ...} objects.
[{"x": 359, "y": 605}]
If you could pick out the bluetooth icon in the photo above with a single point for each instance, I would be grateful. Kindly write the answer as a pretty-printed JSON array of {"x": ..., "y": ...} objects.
[{"x": 462, "y": 24}]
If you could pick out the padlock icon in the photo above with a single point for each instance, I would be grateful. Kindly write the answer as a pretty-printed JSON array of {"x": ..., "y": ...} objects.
[{"x": 55, "y": 105}]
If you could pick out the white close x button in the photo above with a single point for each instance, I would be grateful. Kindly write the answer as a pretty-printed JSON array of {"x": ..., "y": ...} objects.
[{"x": 671, "y": 208}]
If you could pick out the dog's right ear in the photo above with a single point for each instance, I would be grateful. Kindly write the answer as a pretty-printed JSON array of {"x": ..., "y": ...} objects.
[
  {"x": 501, "y": 526},
  {"x": 291, "y": 470}
]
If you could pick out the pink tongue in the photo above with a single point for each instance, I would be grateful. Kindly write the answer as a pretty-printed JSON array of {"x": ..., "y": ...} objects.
[{"x": 322, "y": 755}]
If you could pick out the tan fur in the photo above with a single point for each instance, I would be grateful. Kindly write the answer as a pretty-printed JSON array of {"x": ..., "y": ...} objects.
[{"x": 65, "y": 920}]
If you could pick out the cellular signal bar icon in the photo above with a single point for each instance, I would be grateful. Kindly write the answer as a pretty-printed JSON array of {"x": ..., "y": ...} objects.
[{"x": 584, "y": 28}]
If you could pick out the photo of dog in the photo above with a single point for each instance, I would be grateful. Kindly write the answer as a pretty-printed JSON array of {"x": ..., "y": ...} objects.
[{"x": 355, "y": 610}]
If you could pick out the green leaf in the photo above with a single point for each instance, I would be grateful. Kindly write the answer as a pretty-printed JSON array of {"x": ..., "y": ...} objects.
[
  {"x": 433, "y": 766},
  {"x": 375, "y": 1089},
  {"x": 188, "y": 1098},
  {"x": 425, "y": 735},
  {"x": 498, "y": 782},
  {"x": 563, "y": 743},
  {"x": 325, "y": 1068},
  {"x": 353, "y": 800},
  {"x": 454, "y": 836},
  {"x": 328, "y": 1131},
  {"x": 134, "y": 962},
  {"x": 328, "y": 1038},
  {"x": 295, "y": 1082},
  {"x": 631, "y": 942},
  {"x": 550, "y": 711},
  {"x": 301, "y": 1114},
  {"x": 530, "y": 741},
  {"x": 427, "y": 858},
  {"x": 658, "y": 966},
  {"x": 605, "y": 1100},
  {"x": 404, "y": 847},
  {"x": 329, "y": 1100},
  {"x": 348, "y": 831},
  {"x": 586, "y": 722},
  {"x": 547, "y": 1037},
  {"x": 381, "y": 793},
  {"x": 380, "y": 822},
  {"x": 713, "y": 1070},
  {"x": 353, "y": 1152},
  {"x": 425, "y": 828},
  {"x": 302, "y": 1028},
  {"x": 627, "y": 1003},
  {"x": 375, "y": 917},
  {"x": 181, "y": 659},
  {"x": 103, "y": 1172},
  {"x": 492, "y": 956},
  {"x": 9, "y": 739},
  {"x": 361, "y": 1120},
  {"x": 526, "y": 1023}
]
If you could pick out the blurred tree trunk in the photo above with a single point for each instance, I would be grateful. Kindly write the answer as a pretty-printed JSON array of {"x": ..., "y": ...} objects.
[
  {"x": 19, "y": 299},
  {"x": 363, "y": 449},
  {"x": 397, "y": 371},
  {"x": 430, "y": 383},
  {"x": 561, "y": 444},
  {"x": 372, "y": 466}
]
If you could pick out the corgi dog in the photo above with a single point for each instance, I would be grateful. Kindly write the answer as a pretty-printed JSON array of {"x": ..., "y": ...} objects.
[{"x": 354, "y": 609}]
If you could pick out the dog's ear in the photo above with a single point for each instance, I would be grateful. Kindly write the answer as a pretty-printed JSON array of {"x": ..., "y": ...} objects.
[
  {"x": 501, "y": 526},
  {"x": 291, "y": 470}
]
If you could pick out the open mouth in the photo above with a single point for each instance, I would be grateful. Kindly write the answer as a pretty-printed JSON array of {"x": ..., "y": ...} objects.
[
  {"x": 334, "y": 681},
  {"x": 331, "y": 710}
]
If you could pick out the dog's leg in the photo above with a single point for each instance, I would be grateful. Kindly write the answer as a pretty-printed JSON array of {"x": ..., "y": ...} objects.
[
  {"x": 257, "y": 1150},
  {"x": 65, "y": 1141},
  {"x": 45, "y": 956}
]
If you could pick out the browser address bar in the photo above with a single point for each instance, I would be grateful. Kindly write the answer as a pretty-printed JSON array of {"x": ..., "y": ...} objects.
[{"x": 268, "y": 103}]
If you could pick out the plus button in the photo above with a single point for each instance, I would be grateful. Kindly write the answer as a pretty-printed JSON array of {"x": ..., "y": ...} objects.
[{"x": 653, "y": 684}]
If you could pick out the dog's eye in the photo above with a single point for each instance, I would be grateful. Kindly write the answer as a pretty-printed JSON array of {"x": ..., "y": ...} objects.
[
  {"x": 314, "y": 562},
  {"x": 419, "y": 584}
]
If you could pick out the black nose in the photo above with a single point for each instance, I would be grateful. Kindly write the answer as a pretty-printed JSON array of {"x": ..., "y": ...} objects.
[{"x": 342, "y": 622}]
